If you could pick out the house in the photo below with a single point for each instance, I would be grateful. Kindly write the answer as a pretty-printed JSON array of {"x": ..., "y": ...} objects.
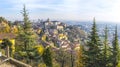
[
  {"x": 60, "y": 27},
  {"x": 10, "y": 36},
  {"x": 62, "y": 36}
]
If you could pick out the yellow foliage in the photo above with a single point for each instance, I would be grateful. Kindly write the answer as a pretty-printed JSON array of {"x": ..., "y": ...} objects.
[
  {"x": 62, "y": 36},
  {"x": 40, "y": 49},
  {"x": 4, "y": 27},
  {"x": 7, "y": 29},
  {"x": 44, "y": 38},
  {"x": 13, "y": 46},
  {"x": 79, "y": 61},
  {"x": 14, "y": 29},
  {"x": 118, "y": 64},
  {"x": 39, "y": 31},
  {"x": 0, "y": 41},
  {"x": 41, "y": 65}
]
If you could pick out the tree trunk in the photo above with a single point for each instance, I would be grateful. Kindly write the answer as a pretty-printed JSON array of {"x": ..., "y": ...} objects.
[
  {"x": 7, "y": 51},
  {"x": 62, "y": 64}
]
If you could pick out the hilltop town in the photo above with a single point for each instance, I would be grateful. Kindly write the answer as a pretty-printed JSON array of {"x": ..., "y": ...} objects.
[{"x": 23, "y": 41}]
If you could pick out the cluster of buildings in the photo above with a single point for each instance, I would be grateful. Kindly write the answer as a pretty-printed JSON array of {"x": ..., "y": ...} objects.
[{"x": 57, "y": 33}]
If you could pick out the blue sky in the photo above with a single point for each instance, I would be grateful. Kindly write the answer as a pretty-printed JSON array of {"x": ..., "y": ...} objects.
[{"x": 79, "y": 10}]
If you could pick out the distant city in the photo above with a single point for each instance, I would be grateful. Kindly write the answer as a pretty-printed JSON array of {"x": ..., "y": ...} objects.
[{"x": 86, "y": 26}]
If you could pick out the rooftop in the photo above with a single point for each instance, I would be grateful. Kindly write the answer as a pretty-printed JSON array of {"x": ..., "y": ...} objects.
[{"x": 7, "y": 35}]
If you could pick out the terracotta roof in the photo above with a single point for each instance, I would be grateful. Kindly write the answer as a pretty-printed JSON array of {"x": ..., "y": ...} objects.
[{"x": 7, "y": 35}]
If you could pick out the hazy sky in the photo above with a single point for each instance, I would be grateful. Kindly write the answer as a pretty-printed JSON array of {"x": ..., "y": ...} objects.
[{"x": 82, "y": 10}]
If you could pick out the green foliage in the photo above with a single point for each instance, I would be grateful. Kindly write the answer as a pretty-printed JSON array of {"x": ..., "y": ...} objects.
[
  {"x": 26, "y": 39},
  {"x": 106, "y": 50},
  {"x": 63, "y": 58},
  {"x": 47, "y": 57},
  {"x": 6, "y": 44},
  {"x": 27, "y": 24},
  {"x": 93, "y": 53},
  {"x": 115, "y": 49},
  {"x": 26, "y": 36}
]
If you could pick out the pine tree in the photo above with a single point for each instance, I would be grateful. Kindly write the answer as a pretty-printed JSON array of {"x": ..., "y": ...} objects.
[
  {"x": 27, "y": 24},
  {"x": 115, "y": 49},
  {"x": 27, "y": 35},
  {"x": 27, "y": 38},
  {"x": 47, "y": 57},
  {"x": 93, "y": 51},
  {"x": 106, "y": 48}
]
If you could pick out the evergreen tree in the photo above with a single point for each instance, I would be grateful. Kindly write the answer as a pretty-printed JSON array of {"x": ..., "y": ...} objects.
[
  {"x": 93, "y": 51},
  {"x": 27, "y": 38},
  {"x": 27, "y": 24},
  {"x": 27, "y": 35},
  {"x": 115, "y": 49},
  {"x": 47, "y": 57},
  {"x": 106, "y": 48}
]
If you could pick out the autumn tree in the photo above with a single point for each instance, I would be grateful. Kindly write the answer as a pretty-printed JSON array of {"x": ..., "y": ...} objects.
[
  {"x": 80, "y": 57},
  {"x": 4, "y": 26},
  {"x": 38, "y": 50}
]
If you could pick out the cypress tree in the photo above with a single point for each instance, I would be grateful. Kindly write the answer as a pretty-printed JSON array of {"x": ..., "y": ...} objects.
[
  {"x": 93, "y": 51},
  {"x": 115, "y": 49}
]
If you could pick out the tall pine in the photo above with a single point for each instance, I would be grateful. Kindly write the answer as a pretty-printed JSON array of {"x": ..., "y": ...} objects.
[
  {"x": 93, "y": 51},
  {"x": 27, "y": 24},
  {"x": 106, "y": 48},
  {"x": 26, "y": 38},
  {"x": 27, "y": 35},
  {"x": 115, "y": 49}
]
